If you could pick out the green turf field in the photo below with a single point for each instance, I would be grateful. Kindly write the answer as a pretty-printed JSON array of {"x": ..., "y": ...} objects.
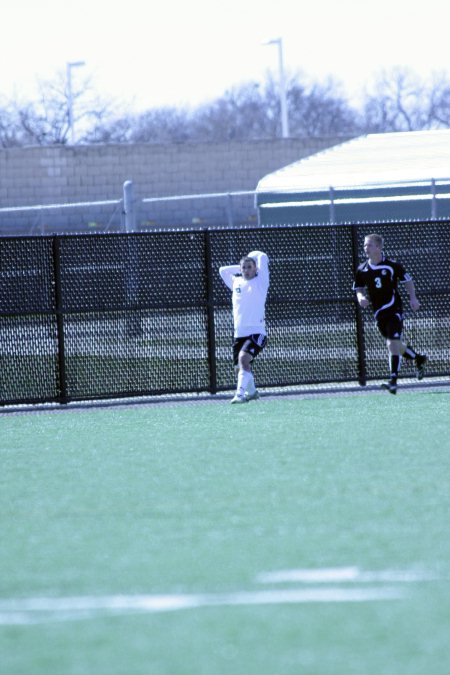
[{"x": 283, "y": 537}]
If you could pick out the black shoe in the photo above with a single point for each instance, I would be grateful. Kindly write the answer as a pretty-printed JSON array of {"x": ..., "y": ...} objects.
[
  {"x": 391, "y": 386},
  {"x": 420, "y": 362}
]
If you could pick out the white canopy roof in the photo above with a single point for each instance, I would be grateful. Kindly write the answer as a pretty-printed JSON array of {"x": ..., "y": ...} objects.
[{"x": 371, "y": 160}]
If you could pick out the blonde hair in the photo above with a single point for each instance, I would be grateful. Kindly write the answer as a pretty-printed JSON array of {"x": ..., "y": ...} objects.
[{"x": 376, "y": 238}]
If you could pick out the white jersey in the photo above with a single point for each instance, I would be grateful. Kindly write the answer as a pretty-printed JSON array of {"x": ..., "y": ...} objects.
[{"x": 249, "y": 295}]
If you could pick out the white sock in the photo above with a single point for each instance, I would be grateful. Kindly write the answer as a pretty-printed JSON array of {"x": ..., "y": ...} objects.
[
  {"x": 242, "y": 382},
  {"x": 251, "y": 387}
]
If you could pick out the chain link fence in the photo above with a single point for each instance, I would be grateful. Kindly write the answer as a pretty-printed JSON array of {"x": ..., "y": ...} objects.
[{"x": 86, "y": 317}]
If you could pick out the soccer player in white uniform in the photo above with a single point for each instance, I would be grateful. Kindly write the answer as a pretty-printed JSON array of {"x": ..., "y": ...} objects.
[{"x": 249, "y": 283}]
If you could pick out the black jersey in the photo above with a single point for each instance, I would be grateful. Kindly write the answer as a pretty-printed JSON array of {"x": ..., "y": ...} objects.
[{"x": 381, "y": 282}]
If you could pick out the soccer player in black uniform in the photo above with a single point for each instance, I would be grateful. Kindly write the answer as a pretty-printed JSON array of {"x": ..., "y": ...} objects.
[{"x": 376, "y": 283}]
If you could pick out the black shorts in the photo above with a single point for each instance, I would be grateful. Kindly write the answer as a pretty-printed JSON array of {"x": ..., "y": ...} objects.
[
  {"x": 252, "y": 344},
  {"x": 390, "y": 325}
]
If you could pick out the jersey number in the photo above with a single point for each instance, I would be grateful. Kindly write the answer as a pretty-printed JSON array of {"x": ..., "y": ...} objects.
[{"x": 378, "y": 282}]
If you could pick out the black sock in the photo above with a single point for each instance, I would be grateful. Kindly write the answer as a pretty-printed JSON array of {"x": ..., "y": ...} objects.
[{"x": 409, "y": 353}]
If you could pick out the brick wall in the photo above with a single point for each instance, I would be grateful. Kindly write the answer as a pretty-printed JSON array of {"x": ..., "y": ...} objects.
[{"x": 61, "y": 174}]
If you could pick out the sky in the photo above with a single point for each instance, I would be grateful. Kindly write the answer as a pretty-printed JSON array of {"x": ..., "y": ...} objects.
[{"x": 145, "y": 53}]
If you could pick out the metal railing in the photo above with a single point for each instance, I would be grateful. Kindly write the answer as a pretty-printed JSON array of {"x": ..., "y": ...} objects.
[
  {"x": 227, "y": 196},
  {"x": 129, "y": 207},
  {"x": 332, "y": 199}
]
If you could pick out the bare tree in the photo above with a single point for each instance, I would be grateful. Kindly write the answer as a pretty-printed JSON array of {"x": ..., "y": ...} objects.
[
  {"x": 46, "y": 120},
  {"x": 439, "y": 101},
  {"x": 245, "y": 112},
  {"x": 320, "y": 110},
  {"x": 401, "y": 101},
  {"x": 9, "y": 126},
  {"x": 239, "y": 114},
  {"x": 162, "y": 125},
  {"x": 252, "y": 111},
  {"x": 242, "y": 113},
  {"x": 397, "y": 101},
  {"x": 116, "y": 130}
]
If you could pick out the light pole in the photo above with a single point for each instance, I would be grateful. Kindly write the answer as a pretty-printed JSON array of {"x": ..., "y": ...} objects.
[
  {"x": 283, "y": 97},
  {"x": 69, "y": 66}
]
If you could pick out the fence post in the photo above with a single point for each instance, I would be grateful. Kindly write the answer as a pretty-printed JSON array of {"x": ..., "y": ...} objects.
[
  {"x": 210, "y": 325},
  {"x": 360, "y": 341},
  {"x": 433, "y": 199},
  {"x": 230, "y": 210},
  {"x": 332, "y": 212},
  {"x": 128, "y": 206},
  {"x": 63, "y": 393},
  {"x": 134, "y": 323}
]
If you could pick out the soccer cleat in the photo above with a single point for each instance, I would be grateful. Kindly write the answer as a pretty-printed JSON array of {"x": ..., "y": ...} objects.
[
  {"x": 420, "y": 362},
  {"x": 391, "y": 386},
  {"x": 238, "y": 398},
  {"x": 252, "y": 397}
]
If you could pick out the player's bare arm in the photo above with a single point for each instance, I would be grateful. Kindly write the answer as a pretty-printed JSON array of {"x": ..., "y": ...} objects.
[{"x": 413, "y": 301}]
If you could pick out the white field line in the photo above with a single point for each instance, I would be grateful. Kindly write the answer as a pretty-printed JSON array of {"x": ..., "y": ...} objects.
[
  {"x": 26, "y": 611},
  {"x": 343, "y": 575}
]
